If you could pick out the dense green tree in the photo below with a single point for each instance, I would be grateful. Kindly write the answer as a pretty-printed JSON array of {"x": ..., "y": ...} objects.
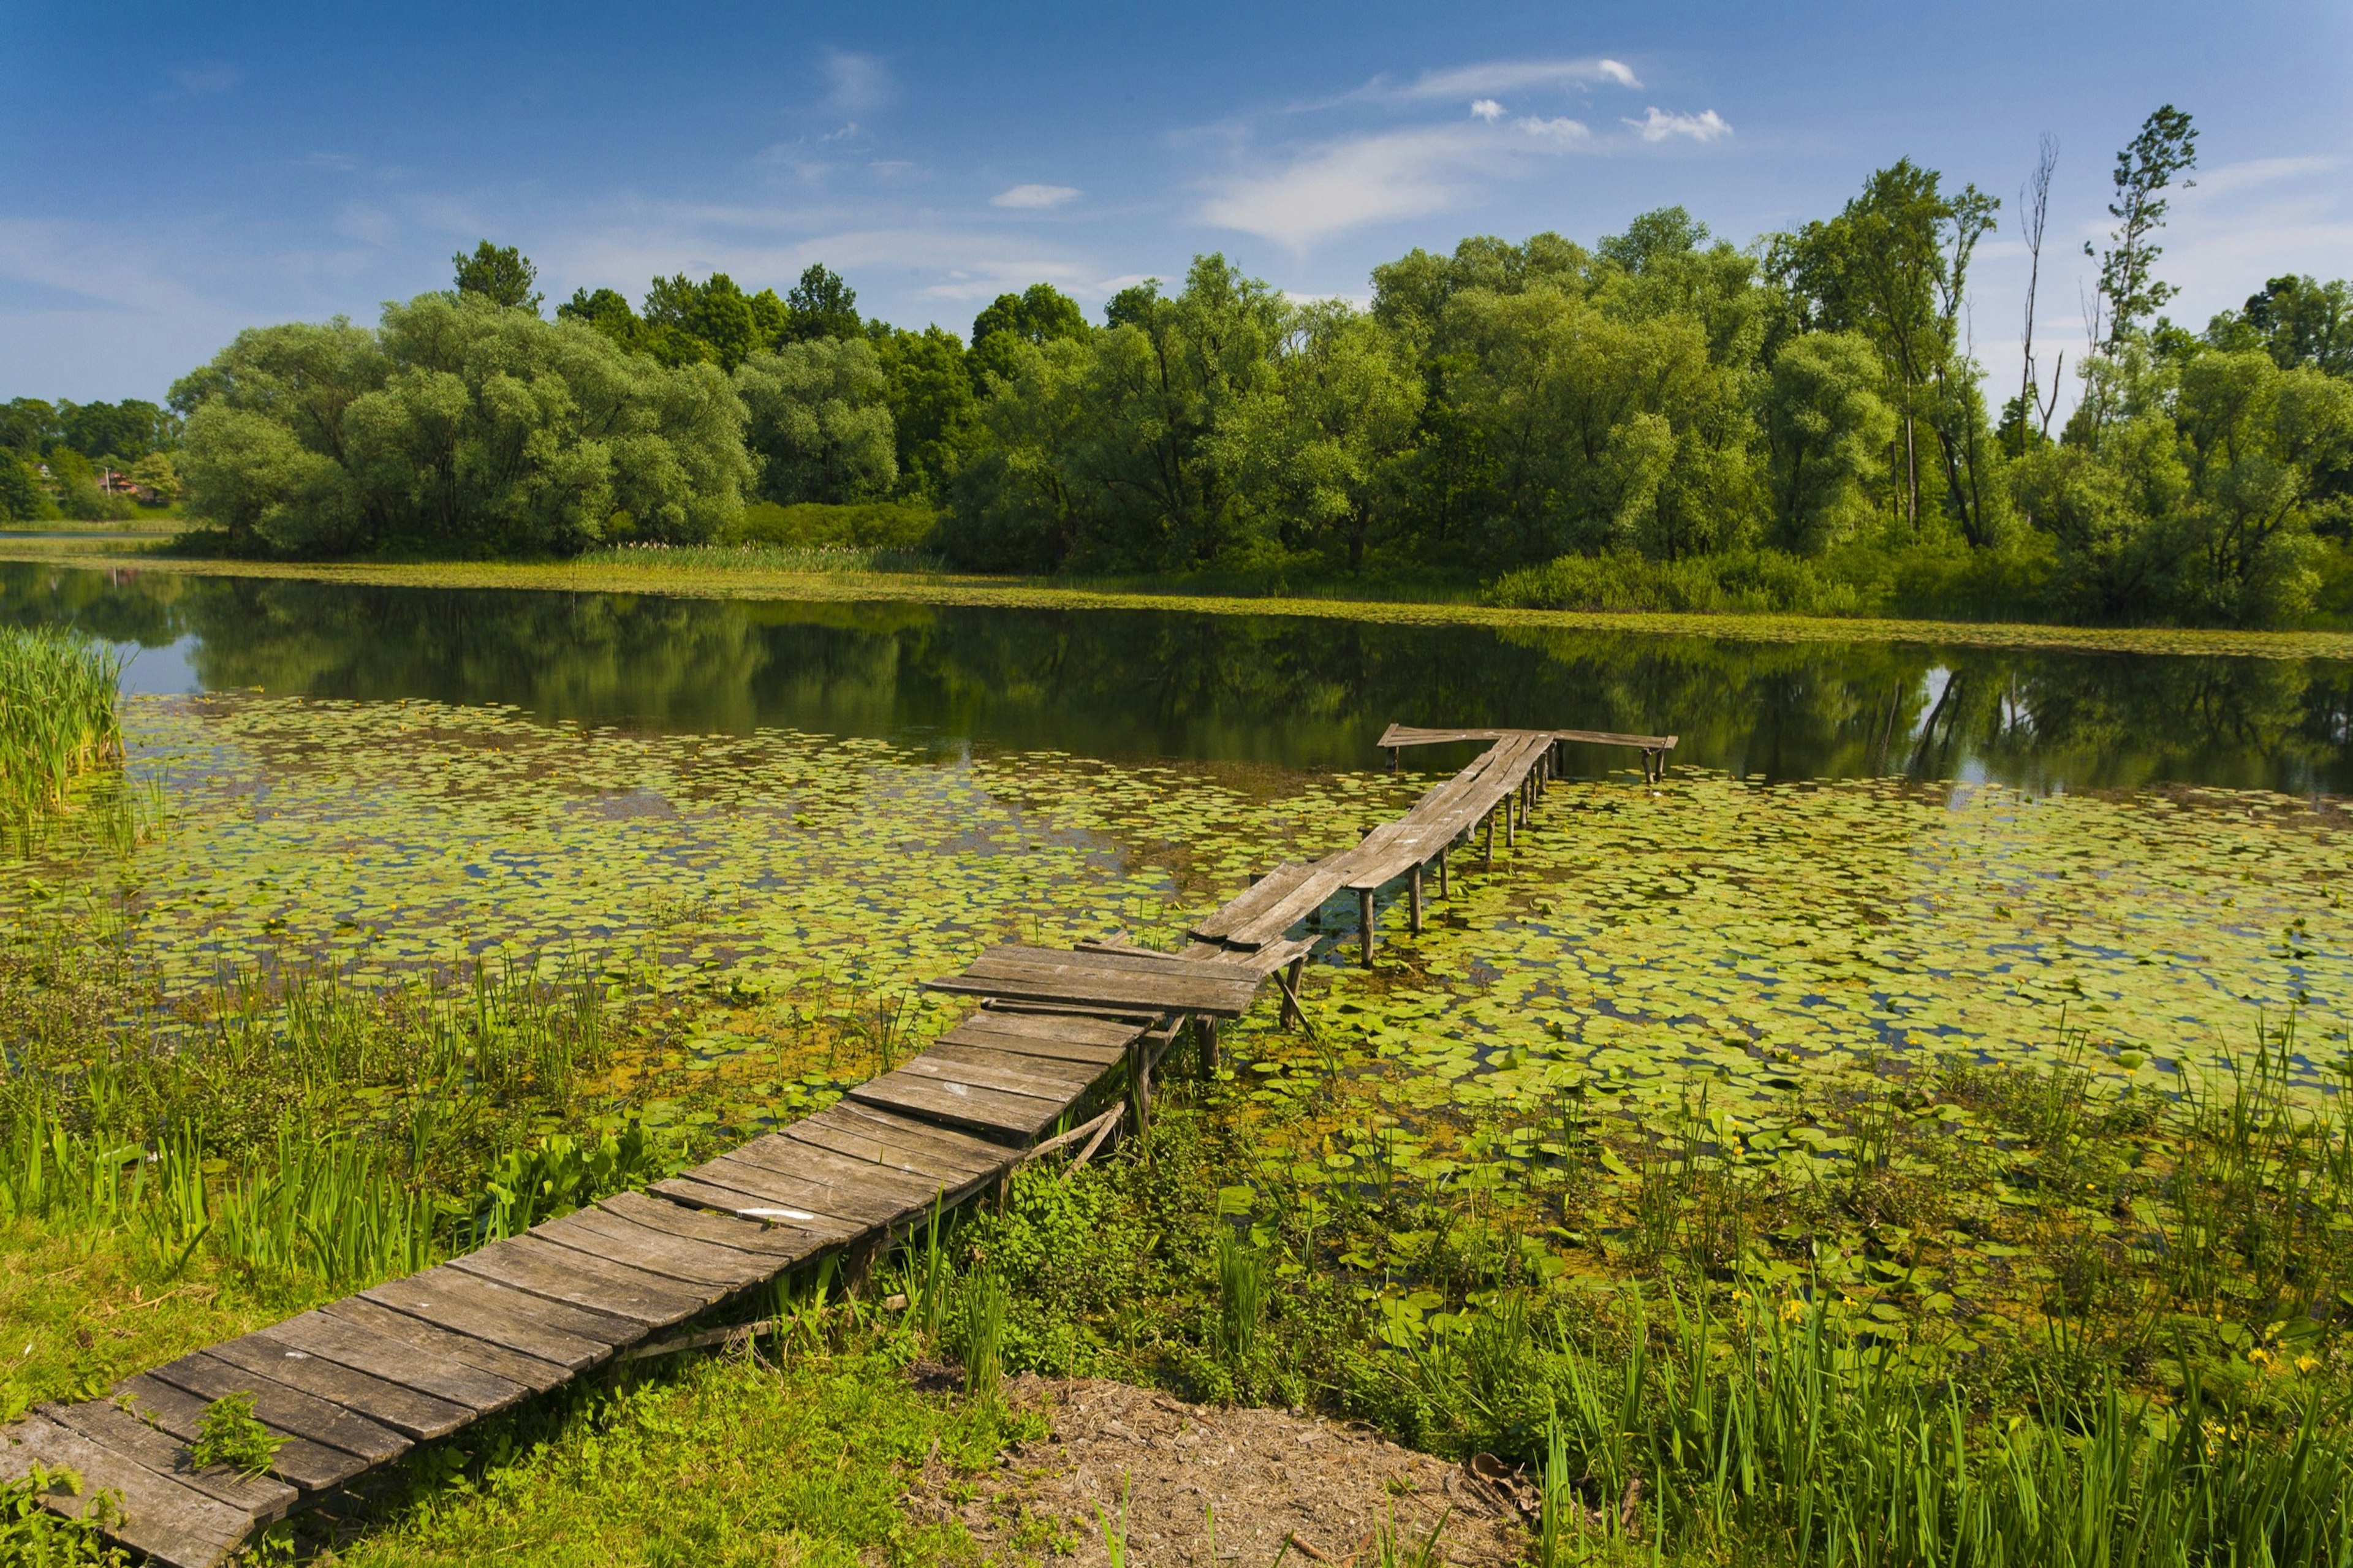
[
  {"x": 2297, "y": 320},
  {"x": 711, "y": 323},
  {"x": 1040, "y": 314},
  {"x": 501, "y": 274},
  {"x": 1827, "y": 432},
  {"x": 2167, "y": 145},
  {"x": 126, "y": 431},
  {"x": 1319, "y": 455},
  {"x": 21, "y": 497},
  {"x": 929, "y": 391},
  {"x": 456, "y": 426},
  {"x": 819, "y": 306},
  {"x": 608, "y": 311},
  {"x": 29, "y": 425},
  {"x": 819, "y": 421}
]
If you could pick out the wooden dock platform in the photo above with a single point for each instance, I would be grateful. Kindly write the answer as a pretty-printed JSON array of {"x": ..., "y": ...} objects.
[{"x": 1064, "y": 1039}]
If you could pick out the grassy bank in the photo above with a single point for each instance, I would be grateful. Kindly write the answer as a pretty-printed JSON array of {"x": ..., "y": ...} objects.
[
  {"x": 697, "y": 580},
  {"x": 1851, "y": 1172}
]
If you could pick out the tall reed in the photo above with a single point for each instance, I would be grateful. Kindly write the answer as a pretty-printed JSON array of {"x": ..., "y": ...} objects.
[{"x": 59, "y": 718}]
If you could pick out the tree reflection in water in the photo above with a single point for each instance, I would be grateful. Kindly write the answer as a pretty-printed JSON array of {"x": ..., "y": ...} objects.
[{"x": 1270, "y": 688}]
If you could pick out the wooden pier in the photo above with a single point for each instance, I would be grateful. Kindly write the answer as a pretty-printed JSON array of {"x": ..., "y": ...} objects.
[{"x": 1066, "y": 1039}]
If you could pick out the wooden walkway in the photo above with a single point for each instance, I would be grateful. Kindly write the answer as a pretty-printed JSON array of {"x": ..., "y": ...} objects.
[{"x": 1066, "y": 1039}]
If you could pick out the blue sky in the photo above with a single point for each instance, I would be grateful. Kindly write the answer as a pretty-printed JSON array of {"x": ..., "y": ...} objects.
[{"x": 169, "y": 174}]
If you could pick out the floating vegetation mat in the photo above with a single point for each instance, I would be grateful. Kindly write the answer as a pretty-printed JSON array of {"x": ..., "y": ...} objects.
[{"x": 1633, "y": 938}]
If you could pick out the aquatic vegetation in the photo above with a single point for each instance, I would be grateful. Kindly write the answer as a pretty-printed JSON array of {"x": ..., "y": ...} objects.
[
  {"x": 60, "y": 719},
  {"x": 793, "y": 558}
]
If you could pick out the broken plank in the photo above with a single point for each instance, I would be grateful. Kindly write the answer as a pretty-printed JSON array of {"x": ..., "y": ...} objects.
[
  {"x": 689, "y": 1191},
  {"x": 960, "y": 1150},
  {"x": 257, "y": 1497},
  {"x": 854, "y": 1138},
  {"x": 1016, "y": 1118}
]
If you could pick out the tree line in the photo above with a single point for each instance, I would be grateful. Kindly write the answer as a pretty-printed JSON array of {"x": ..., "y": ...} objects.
[
  {"x": 1661, "y": 416},
  {"x": 52, "y": 453}
]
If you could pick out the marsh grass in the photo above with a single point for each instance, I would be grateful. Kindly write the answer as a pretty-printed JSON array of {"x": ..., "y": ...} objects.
[
  {"x": 61, "y": 748},
  {"x": 754, "y": 557}
]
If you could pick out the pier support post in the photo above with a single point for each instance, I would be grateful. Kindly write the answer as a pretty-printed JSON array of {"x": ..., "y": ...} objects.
[
  {"x": 1491, "y": 840},
  {"x": 1413, "y": 903},
  {"x": 1442, "y": 871},
  {"x": 1365, "y": 918},
  {"x": 1291, "y": 1010},
  {"x": 1205, "y": 1043}
]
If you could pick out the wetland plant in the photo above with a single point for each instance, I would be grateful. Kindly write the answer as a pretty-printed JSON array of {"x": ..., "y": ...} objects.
[
  {"x": 229, "y": 1434},
  {"x": 983, "y": 1332}
]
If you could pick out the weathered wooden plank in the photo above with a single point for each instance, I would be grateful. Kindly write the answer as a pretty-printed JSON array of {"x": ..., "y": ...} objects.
[
  {"x": 688, "y": 1191},
  {"x": 161, "y": 1517},
  {"x": 1007, "y": 1117},
  {"x": 779, "y": 1246},
  {"x": 402, "y": 1408},
  {"x": 858, "y": 1181},
  {"x": 1041, "y": 1076},
  {"x": 313, "y": 1467},
  {"x": 1260, "y": 896},
  {"x": 560, "y": 1274},
  {"x": 466, "y": 1304},
  {"x": 439, "y": 1342},
  {"x": 1397, "y": 735},
  {"x": 284, "y": 1408},
  {"x": 862, "y": 1133},
  {"x": 1081, "y": 1030},
  {"x": 259, "y": 1498},
  {"x": 1225, "y": 999},
  {"x": 1274, "y": 921},
  {"x": 618, "y": 1240},
  {"x": 860, "y": 1207},
  {"x": 1098, "y": 1057},
  {"x": 404, "y": 1359}
]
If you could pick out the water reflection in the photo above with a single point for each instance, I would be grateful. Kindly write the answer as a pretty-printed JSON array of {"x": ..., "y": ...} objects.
[{"x": 1265, "y": 689}]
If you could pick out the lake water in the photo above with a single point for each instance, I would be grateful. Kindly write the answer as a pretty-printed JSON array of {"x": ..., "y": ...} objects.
[{"x": 1297, "y": 693}]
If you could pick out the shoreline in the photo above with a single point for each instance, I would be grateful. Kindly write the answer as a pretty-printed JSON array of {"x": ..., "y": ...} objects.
[{"x": 1001, "y": 592}]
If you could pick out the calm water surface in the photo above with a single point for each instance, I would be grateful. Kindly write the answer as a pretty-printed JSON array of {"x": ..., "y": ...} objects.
[{"x": 1270, "y": 688}]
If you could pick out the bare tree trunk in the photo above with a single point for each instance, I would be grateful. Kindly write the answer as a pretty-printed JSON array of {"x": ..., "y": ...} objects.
[{"x": 2033, "y": 210}]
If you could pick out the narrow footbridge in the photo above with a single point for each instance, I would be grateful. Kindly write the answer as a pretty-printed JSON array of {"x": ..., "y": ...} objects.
[{"x": 1059, "y": 1052}]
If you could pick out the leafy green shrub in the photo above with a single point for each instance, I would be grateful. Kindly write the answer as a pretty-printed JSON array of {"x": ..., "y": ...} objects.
[
  {"x": 230, "y": 1435},
  {"x": 35, "y": 1536},
  {"x": 861, "y": 525}
]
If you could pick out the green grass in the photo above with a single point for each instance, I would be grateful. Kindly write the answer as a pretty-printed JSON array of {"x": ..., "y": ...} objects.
[
  {"x": 60, "y": 720},
  {"x": 758, "y": 557},
  {"x": 722, "y": 1463}
]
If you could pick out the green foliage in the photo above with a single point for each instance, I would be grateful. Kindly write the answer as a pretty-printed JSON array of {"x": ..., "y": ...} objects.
[
  {"x": 819, "y": 421},
  {"x": 33, "y": 1535},
  {"x": 2165, "y": 146},
  {"x": 230, "y": 1435},
  {"x": 501, "y": 274},
  {"x": 460, "y": 427},
  {"x": 820, "y": 305},
  {"x": 21, "y": 497},
  {"x": 559, "y": 1173},
  {"x": 60, "y": 719},
  {"x": 858, "y": 525},
  {"x": 929, "y": 390},
  {"x": 980, "y": 1333}
]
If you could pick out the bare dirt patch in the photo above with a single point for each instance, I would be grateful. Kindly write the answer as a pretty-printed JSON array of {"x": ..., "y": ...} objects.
[{"x": 1265, "y": 1476}]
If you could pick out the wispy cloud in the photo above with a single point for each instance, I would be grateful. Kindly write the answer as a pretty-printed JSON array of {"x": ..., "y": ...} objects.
[
  {"x": 856, "y": 83},
  {"x": 198, "y": 80},
  {"x": 1033, "y": 198},
  {"x": 1495, "y": 77},
  {"x": 1379, "y": 178},
  {"x": 1658, "y": 125},
  {"x": 1486, "y": 109},
  {"x": 2255, "y": 172}
]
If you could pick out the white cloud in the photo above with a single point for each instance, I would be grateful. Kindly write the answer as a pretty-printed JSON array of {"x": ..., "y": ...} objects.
[
  {"x": 1488, "y": 110},
  {"x": 1563, "y": 130},
  {"x": 2255, "y": 172},
  {"x": 368, "y": 225},
  {"x": 1378, "y": 178},
  {"x": 1496, "y": 76},
  {"x": 857, "y": 83},
  {"x": 1657, "y": 125},
  {"x": 199, "y": 80},
  {"x": 1032, "y": 198}
]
